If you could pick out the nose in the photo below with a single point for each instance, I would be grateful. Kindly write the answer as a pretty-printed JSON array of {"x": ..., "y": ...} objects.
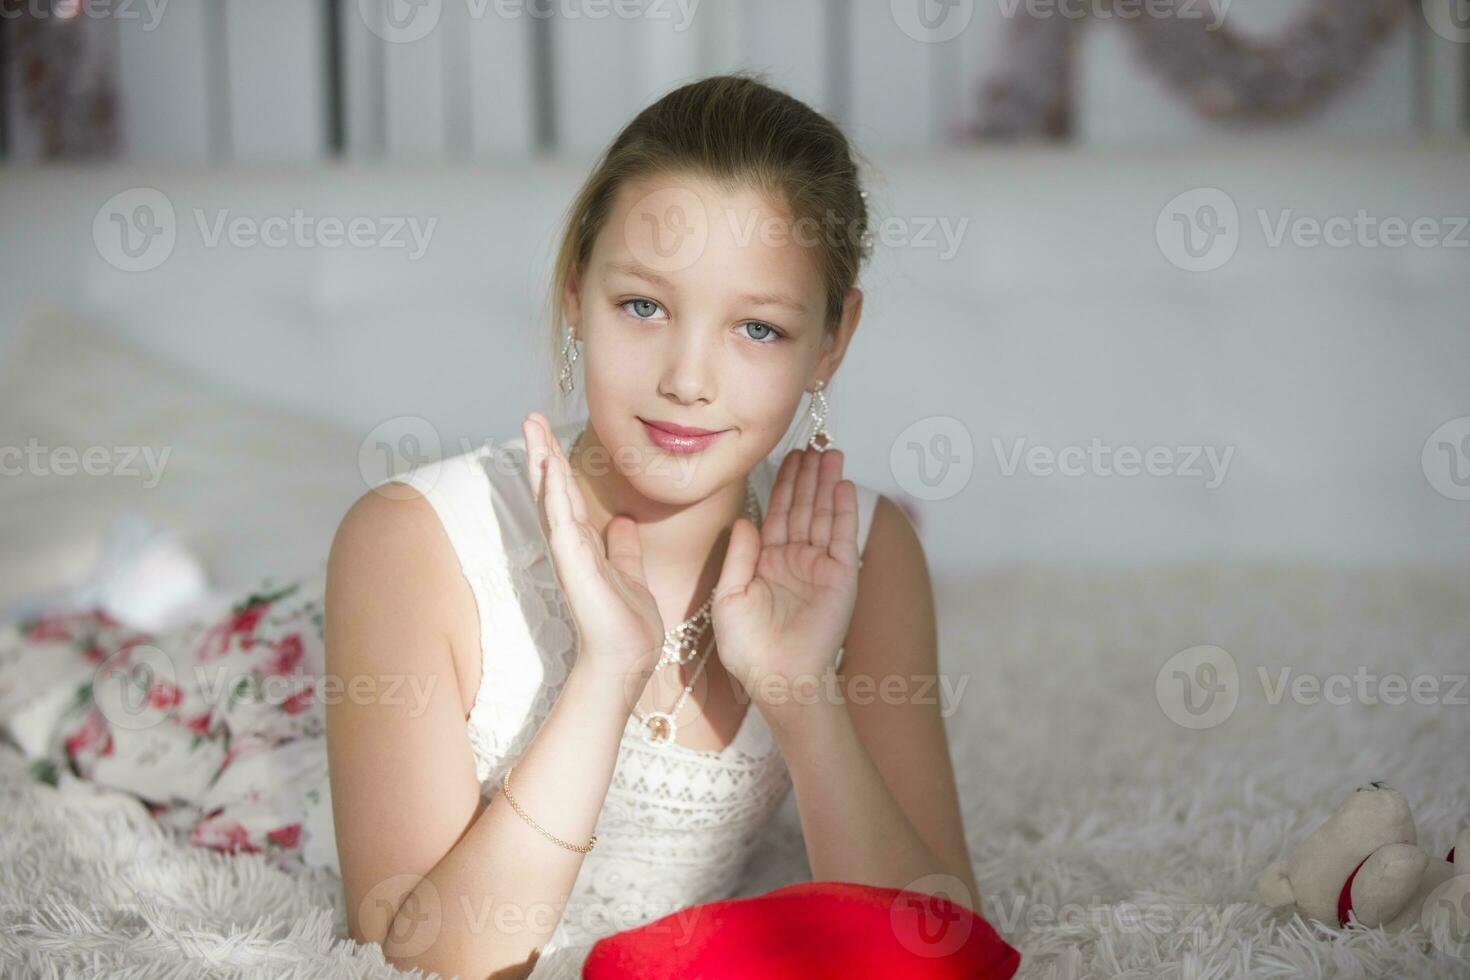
[{"x": 690, "y": 366}]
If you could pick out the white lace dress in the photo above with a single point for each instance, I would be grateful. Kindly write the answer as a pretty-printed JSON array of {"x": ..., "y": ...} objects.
[{"x": 678, "y": 824}]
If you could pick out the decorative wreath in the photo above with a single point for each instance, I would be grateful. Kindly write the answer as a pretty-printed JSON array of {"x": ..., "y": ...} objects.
[{"x": 1221, "y": 73}]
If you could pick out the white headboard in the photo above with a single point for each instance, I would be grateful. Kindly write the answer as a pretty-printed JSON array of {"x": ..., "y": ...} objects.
[{"x": 1057, "y": 319}]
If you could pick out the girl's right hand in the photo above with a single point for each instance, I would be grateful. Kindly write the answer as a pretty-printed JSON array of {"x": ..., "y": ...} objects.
[{"x": 617, "y": 617}]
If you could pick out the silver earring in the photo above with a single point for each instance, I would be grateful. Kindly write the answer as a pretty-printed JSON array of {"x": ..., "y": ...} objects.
[
  {"x": 817, "y": 408},
  {"x": 569, "y": 355}
]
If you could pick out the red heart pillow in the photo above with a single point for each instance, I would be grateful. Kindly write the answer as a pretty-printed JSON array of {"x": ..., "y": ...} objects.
[{"x": 812, "y": 930}]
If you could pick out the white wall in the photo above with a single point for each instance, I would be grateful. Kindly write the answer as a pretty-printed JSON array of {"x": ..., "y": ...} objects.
[{"x": 1057, "y": 318}]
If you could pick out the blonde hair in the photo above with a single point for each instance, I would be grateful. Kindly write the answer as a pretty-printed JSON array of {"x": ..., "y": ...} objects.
[{"x": 737, "y": 131}]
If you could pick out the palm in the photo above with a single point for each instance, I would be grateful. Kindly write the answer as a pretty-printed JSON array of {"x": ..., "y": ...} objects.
[
  {"x": 786, "y": 594},
  {"x": 605, "y": 585}
]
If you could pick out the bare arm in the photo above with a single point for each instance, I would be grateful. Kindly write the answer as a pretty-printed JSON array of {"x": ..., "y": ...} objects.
[
  {"x": 439, "y": 883},
  {"x": 870, "y": 768}
]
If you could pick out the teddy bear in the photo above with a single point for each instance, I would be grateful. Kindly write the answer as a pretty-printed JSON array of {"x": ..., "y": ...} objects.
[{"x": 1365, "y": 865}]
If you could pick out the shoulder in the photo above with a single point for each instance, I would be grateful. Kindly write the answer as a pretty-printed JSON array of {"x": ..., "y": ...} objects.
[
  {"x": 893, "y": 549},
  {"x": 390, "y": 546},
  {"x": 895, "y": 601},
  {"x": 393, "y": 584}
]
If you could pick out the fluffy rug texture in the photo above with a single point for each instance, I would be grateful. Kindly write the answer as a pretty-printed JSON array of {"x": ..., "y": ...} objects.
[{"x": 1109, "y": 838}]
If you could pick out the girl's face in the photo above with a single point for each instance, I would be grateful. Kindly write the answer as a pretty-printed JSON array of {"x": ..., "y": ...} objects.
[{"x": 700, "y": 307}]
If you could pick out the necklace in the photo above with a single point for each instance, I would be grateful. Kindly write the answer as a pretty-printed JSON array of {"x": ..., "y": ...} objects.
[{"x": 681, "y": 644}]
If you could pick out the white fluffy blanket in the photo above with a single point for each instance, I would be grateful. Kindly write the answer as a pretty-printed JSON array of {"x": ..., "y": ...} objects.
[{"x": 1109, "y": 841}]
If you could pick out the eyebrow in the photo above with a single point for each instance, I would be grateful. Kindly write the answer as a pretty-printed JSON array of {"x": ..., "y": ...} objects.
[{"x": 759, "y": 299}]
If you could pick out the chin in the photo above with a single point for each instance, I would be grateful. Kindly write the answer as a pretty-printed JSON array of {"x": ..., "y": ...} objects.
[{"x": 672, "y": 479}]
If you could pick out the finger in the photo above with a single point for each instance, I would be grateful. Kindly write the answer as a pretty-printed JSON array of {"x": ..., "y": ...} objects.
[
  {"x": 844, "y": 546},
  {"x": 829, "y": 471},
  {"x": 574, "y": 488},
  {"x": 579, "y": 503},
  {"x": 558, "y": 504},
  {"x": 535, "y": 456},
  {"x": 553, "y": 444},
  {"x": 740, "y": 558},
  {"x": 625, "y": 547},
  {"x": 799, "y": 526},
  {"x": 773, "y": 525}
]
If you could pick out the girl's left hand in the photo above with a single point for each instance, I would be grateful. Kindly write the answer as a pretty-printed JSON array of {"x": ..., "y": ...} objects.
[{"x": 786, "y": 592}]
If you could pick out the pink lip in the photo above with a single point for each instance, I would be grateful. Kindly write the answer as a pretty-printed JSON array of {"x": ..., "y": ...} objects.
[{"x": 681, "y": 439}]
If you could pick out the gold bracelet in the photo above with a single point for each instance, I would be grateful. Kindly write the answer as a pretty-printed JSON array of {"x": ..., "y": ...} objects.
[{"x": 505, "y": 785}]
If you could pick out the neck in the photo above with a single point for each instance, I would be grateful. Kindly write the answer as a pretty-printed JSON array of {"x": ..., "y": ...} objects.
[{"x": 683, "y": 544}]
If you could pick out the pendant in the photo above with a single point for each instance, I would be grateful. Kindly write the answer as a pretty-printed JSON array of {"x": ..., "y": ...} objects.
[{"x": 658, "y": 727}]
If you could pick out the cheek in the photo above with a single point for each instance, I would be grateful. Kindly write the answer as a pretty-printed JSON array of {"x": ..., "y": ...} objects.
[
  {"x": 613, "y": 364},
  {"x": 764, "y": 399}
]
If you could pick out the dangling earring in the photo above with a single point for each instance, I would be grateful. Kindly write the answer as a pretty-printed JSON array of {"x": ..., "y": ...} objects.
[
  {"x": 817, "y": 408},
  {"x": 569, "y": 355}
]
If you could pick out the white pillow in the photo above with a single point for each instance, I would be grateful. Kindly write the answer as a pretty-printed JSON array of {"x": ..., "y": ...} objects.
[{"x": 252, "y": 490}]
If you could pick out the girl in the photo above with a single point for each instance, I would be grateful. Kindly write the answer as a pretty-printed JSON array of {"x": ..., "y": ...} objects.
[
  {"x": 626, "y": 622},
  {"x": 555, "y": 688}
]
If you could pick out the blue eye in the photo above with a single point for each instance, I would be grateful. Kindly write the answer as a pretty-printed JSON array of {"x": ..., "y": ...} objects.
[
  {"x": 770, "y": 332},
  {"x": 647, "y": 302}
]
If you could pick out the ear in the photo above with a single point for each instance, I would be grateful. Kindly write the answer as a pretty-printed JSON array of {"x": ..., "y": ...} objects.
[
  {"x": 571, "y": 303},
  {"x": 1274, "y": 887},
  {"x": 835, "y": 344}
]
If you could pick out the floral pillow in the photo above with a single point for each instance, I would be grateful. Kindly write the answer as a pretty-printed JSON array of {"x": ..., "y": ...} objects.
[{"x": 214, "y": 725}]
